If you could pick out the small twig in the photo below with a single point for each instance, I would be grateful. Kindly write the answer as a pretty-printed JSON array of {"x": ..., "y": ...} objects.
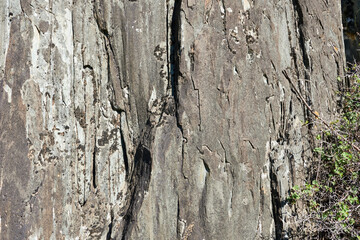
[{"x": 317, "y": 115}]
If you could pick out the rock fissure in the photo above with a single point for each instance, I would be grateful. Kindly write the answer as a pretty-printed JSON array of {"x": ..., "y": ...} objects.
[
  {"x": 124, "y": 149},
  {"x": 113, "y": 72},
  {"x": 168, "y": 47},
  {"x": 178, "y": 227},
  {"x": 175, "y": 74},
  {"x": 186, "y": 19},
  {"x": 198, "y": 99},
  {"x": 175, "y": 48},
  {"x": 298, "y": 9},
  {"x": 94, "y": 166},
  {"x": 300, "y": 25},
  {"x": 139, "y": 185},
  {"x": 223, "y": 16},
  {"x": 110, "y": 226},
  {"x": 275, "y": 200}
]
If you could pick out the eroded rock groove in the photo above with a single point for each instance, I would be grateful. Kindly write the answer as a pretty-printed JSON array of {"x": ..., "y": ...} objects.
[{"x": 175, "y": 49}]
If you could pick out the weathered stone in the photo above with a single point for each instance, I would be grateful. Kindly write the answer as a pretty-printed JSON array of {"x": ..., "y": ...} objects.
[{"x": 159, "y": 119}]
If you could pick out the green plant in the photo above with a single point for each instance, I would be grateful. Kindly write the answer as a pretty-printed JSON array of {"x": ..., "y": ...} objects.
[{"x": 332, "y": 198}]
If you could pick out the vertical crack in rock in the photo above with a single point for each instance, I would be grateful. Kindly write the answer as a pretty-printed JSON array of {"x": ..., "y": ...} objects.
[
  {"x": 175, "y": 57},
  {"x": 168, "y": 46},
  {"x": 139, "y": 185},
  {"x": 276, "y": 201},
  {"x": 175, "y": 51},
  {"x": 299, "y": 8},
  {"x": 306, "y": 59},
  {"x": 108, "y": 235},
  {"x": 111, "y": 61},
  {"x": 223, "y": 16},
  {"x": 178, "y": 227},
  {"x": 198, "y": 98},
  {"x": 300, "y": 25},
  {"x": 94, "y": 167},
  {"x": 113, "y": 65},
  {"x": 140, "y": 176},
  {"x": 126, "y": 160}
]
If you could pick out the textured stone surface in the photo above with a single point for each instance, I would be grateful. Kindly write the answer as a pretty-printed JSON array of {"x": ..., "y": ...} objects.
[{"x": 159, "y": 119}]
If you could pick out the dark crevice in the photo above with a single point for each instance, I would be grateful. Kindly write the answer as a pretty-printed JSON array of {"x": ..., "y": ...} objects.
[
  {"x": 88, "y": 67},
  {"x": 282, "y": 128},
  {"x": 168, "y": 46},
  {"x": 300, "y": 17},
  {"x": 175, "y": 49},
  {"x": 111, "y": 57},
  {"x": 126, "y": 160},
  {"x": 305, "y": 58},
  {"x": 186, "y": 18},
  {"x": 108, "y": 235},
  {"x": 272, "y": 117},
  {"x": 113, "y": 105},
  {"x": 206, "y": 166},
  {"x": 291, "y": 161},
  {"x": 94, "y": 168},
  {"x": 178, "y": 232},
  {"x": 113, "y": 65},
  {"x": 175, "y": 52},
  {"x": 198, "y": 98},
  {"x": 276, "y": 202},
  {"x": 139, "y": 184}
]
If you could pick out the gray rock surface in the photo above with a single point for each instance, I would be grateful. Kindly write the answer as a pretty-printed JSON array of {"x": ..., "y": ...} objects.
[{"x": 159, "y": 119}]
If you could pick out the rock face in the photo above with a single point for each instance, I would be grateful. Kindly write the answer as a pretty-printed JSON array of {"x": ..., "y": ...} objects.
[{"x": 159, "y": 119}]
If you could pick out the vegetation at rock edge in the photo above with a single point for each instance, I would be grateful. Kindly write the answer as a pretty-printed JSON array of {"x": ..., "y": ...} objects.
[{"x": 332, "y": 195}]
